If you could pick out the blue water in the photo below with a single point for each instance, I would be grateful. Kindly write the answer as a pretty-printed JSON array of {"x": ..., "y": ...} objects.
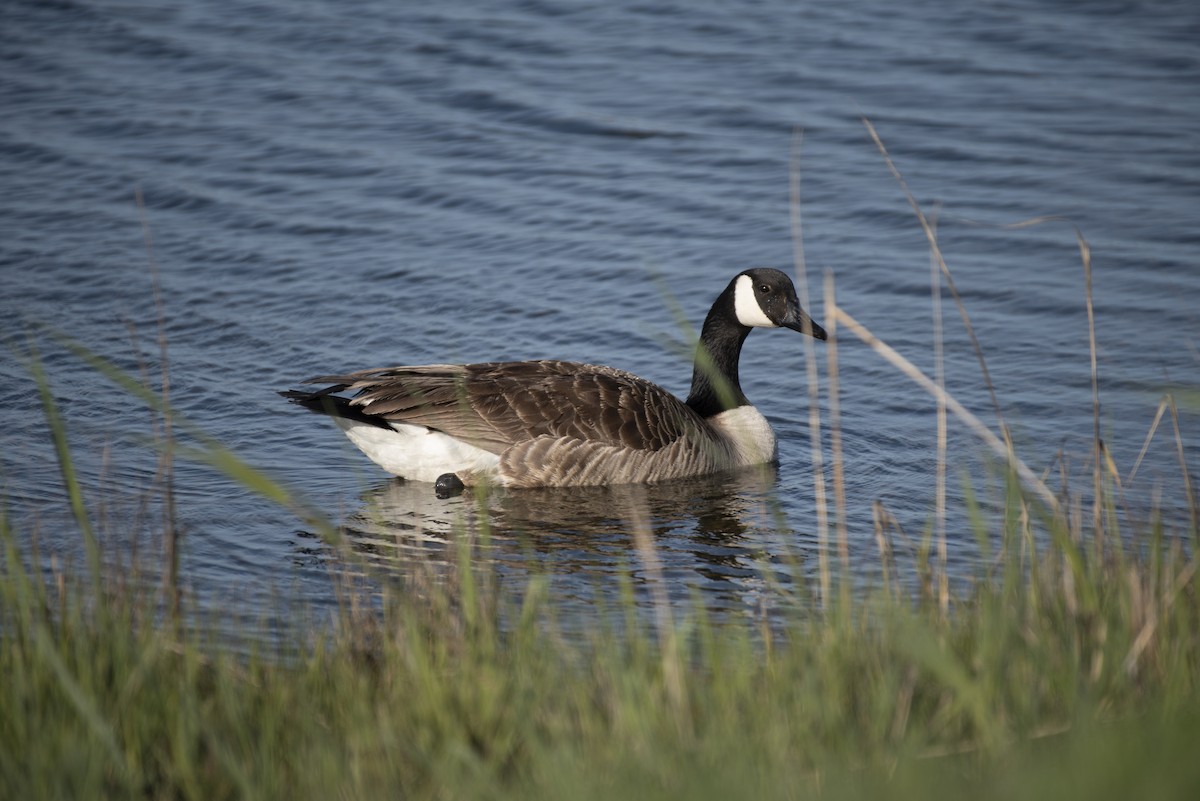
[{"x": 331, "y": 186}]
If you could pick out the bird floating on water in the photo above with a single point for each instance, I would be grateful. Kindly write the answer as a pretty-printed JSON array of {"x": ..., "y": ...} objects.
[{"x": 557, "y": 423}]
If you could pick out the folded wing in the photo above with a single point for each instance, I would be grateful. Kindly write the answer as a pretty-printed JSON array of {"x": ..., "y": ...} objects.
[{"x": 497, "y": 405}]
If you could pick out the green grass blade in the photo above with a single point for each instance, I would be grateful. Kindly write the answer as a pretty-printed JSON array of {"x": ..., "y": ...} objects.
[
  {"x": 62, "y": 450},
  {"x": 209, "y": 451}
]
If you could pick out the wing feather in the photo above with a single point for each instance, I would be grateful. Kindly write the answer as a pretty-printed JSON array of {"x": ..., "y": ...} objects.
[{"x": 495, "y": 405}]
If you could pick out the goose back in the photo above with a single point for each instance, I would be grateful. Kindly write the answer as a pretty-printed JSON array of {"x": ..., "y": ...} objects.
[{"x": 551, "y": 423}]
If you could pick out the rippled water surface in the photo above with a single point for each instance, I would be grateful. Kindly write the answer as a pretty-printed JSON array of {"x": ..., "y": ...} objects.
[{"x": 333, "y": 186}]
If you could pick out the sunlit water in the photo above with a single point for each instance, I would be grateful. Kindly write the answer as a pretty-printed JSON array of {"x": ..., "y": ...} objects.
[{"x": 334, "y": 186}]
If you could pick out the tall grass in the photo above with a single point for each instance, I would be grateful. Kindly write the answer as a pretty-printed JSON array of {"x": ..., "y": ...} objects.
[
  {"x": 469, "y": 690},
  {"x": 1048, "y": 668}
]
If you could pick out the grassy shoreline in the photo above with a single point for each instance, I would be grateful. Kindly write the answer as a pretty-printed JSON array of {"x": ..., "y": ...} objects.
[{"x": 1075, "y": 661}]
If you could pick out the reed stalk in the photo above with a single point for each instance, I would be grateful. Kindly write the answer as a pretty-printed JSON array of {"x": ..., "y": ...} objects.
[
  {"x": 166, "y": 460},
  {"x": 835, "y": 437},
  {"x": 810, "y": 362}
]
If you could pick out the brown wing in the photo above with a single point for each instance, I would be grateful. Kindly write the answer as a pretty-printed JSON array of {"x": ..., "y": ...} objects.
[{"x": 497, "y": 404}]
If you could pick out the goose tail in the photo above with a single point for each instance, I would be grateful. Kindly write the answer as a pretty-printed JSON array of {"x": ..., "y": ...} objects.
[{"x": 323, "y": 401}]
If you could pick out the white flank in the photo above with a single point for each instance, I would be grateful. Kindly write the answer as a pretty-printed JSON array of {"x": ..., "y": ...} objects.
[
  {"x": 746, "y": 306},
  {"x": 748, "y": 432},
  {"x": 416, "y": 452}
]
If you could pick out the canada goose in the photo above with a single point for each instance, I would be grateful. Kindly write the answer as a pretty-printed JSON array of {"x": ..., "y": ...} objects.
[{"x": 556, "y": 423}]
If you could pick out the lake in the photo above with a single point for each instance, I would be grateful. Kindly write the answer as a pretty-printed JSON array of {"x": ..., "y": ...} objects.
[{"x": 333, "y": 186}]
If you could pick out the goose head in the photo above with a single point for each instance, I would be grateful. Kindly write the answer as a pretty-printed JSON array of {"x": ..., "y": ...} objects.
[
  {"x": 766, "y": 298},
  {"x": 757, "y": 298}
]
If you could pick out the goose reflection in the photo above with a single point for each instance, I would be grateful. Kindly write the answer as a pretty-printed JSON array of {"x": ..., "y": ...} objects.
[{"x": 717, "y": 532}]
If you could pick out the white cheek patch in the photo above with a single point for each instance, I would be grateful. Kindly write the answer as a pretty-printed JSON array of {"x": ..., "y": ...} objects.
[{"x": 745, "y": 304}]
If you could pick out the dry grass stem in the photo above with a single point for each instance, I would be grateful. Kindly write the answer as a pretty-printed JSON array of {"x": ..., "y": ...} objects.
[
  {"x": 936, "y": 252},
  {"x": 1158, "y": 415},
  {"x": 939, "y": 374},
  {"x": 835, "y": 431},
  {"x": 810, "y": 362},
  {"x": 166, "y": 461},
  {"x": 1000, "y": 448},
  {"x": 643, "y": 538},
  {"x": 1085, "y": 253}
]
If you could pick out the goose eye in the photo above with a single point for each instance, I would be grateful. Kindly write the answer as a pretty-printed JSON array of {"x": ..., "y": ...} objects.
[{"x": 763, "y": 288}]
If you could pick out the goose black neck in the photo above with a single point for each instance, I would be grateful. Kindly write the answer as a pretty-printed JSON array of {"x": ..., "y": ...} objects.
[{"x": 715, "y": 385}]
